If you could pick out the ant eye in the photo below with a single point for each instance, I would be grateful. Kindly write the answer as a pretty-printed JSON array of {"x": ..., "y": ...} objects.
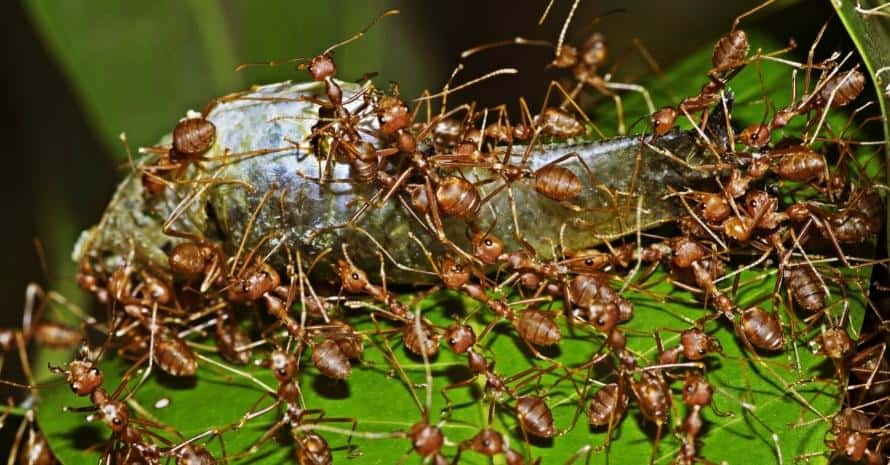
[
  {"x": 600, "y": 321},
  {"x": 488, "y": 242},
  {"x": 116, "y": 421},
  {"x": 75, "y": 387},
  {"x": 701, "y": 351},
  {"x": 588, "y": 262},
  {"x": 354, "y": 276},
  {"x": 486, "y": 443}
]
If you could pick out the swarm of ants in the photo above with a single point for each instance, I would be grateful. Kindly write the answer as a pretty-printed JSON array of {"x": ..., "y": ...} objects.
[{"x": 250, "y": 290}]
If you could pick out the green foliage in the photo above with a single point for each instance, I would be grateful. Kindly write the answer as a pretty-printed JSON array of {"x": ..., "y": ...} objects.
[
  {"x": 871, "y": 34},
  {"x": 380, "y": 400},
  {"x": 762, "y": 394}
]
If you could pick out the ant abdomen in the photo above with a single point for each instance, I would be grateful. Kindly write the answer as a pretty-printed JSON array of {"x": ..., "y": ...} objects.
[
  {"x": 762, "y": 329},
  {"x": 193, "y": 137},
  {"x": 538, "y": 328},
  {"x": 806, "y": 287},
  {"x": 458, "y": 197},
  {"x": 330, "y": 360},
  {"x": 425, "y": 342},
  {"x": 730, "y": 51},
  {"x": 534, "y": 416},
  {"x": 607, "y": 405},
  {"x": 557, "y": 183},
  {"x": 312, "y": 449},
  {"x": 175, "y": 357}
]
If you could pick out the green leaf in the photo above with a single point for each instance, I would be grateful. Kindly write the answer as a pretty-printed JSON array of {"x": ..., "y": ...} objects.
[
  {"x": 783, "y": 395},
  {"x": 868, "y": 23},
  {"x": 382, "y": 403}
]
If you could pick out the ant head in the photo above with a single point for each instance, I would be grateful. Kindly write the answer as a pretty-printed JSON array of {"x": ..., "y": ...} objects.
[
  {"x": 663, "y": 120},
  {"x": 393, "y": 114},
  {"x": 460, "y": 338},
  {"x": 603, "y": 316},
  {"x": 426, "y": 439},
  {"x": 834, "y": 343},
  {"x": 594, "y": 50},
  {"x": 587, "y": 261},
  {"x": 454, "y": 274},
  {"x": 757, "y": 201},
  {"x": 115, "y": 414},
  {"x": 256, "y": 281},
  {"x": 284, "y": 365},
  {"x": 487, "y": 247},
  {"x": 696, "y": 344},
  {"x": 83, "y": 377},
  {"x": 487, "y": 442},
  {"x": 696, "y": 389},
  {"x": 686, "y": 251},
  {"x": 321, "y": 67},
  {"x": 352, "y": 279},
  {"x": 567, "y": 57}
]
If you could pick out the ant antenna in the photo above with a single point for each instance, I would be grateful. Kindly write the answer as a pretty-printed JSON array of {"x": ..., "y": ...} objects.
[
  {"x": 41, "y": 257},
  {"x": 501, "y": 43},
  {"x": 546, "y": 12},
  {"x": 750, "y": 12},
  {"x": 469, "y": 83},
  {"x": 269, "y": 63},
  {"x": 565, "y": 27},
  {"x": 123, "y": 138},
  {"x": 328, "y": 50},
  {"x": 359, "y": 34}
]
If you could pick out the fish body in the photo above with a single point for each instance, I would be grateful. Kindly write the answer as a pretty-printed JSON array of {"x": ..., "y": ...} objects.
[{"x": 260, "y": 179}]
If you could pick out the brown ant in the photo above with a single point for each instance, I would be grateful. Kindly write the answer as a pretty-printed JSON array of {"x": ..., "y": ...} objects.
[
  {"x": 694, "y": 345},
  {"x": 47, "y": 333},
  {"x": 489, "y": 442},
  {"x": 533, "y": 414},
  {"x": 285, "y": 367},
  {"x": 192, "y": 138},
  {"x": 33, "y": 448},
  {"x": 697, "y": 394}
]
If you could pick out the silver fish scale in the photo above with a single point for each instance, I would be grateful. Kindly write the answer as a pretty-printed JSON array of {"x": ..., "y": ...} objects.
[{"x": 300, "y": 212}]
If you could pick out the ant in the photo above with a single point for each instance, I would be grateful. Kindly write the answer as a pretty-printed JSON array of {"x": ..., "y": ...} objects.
[
  {"x": 285, "y": 367},
  {"x": 532, "y": 412},
  {"x": 47, "y": 333}
]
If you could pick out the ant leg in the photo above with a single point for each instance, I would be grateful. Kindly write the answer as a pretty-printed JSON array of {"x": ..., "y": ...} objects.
[
  {"x": 26, "y": 363},
  {"x": 19, "y": 434},
  {"x": 255, "y": 447},
  {"x": 448, "y": 402},
  {"x": 353, "y": 450},
  {"x": 570, "y": 102},
  {"x": 658, "y": 426},
  {"x": 519, "y": 238},
  {"x": 585, "y": 450}
]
